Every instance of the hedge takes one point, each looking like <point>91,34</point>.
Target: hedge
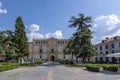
<point>111,68</point>
<point>93,68</point>
<point>39,61</point>
<point>64,61</point>
<point>8,66</point>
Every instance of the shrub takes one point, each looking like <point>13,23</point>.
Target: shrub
<point>39,61</point>
<point>79,65</point>
<point>65,62</point>
<point>111,68</point>
<point>93,68</point>
<point>27,64</point>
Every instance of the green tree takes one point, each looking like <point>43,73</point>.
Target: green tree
<point>20,39</point>
<point>7,47</point>
<point>82,36</point>
<point>69,48</point>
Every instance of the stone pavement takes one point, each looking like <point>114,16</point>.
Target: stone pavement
<point>55,71</point>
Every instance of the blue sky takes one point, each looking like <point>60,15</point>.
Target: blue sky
<point>45,18</point>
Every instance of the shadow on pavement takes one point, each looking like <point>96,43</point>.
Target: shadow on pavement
<point>103,72</point>
<point>109,72</point>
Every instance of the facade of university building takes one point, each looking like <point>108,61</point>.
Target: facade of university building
<point>51,49</point>
<point>108,46</point>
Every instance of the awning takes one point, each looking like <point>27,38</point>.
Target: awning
<point>113,55</point>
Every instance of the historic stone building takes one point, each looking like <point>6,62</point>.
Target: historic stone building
<point>51,49</point>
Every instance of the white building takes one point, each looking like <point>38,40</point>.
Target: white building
<point>108,46</point>
<point>51,49</point>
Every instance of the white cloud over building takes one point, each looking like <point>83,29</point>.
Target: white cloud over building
<point>57,34</point>
<point>106,26</point>
<point>33,34</point>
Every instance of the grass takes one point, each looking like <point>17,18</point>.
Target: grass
<point>8,66</point>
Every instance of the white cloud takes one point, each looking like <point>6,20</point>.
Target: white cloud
<point>106,26</point>
<point>95,25</point>
<point>58,34</point>
<point>0,4</point>
<point>35,36</point>
<point>110,21</point>
<point>2,11</point>
<point>48,35</point>
<point>34,27</point>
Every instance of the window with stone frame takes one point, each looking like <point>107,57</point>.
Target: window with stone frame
<point>112,45</point>
<point>100,47</point>
<point>113,51</point>
<point>52,50</point>
<point>63,50</point>
<point>106,46</point>
<point>106,52</point>
<point>40,50</point>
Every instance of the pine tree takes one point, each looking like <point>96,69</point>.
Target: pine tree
<point>21,39</point>
<point>7,46</point>
<point>82,37</point>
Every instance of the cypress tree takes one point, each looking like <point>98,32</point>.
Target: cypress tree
<point>21,39</point>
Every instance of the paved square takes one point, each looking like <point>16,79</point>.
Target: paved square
<point>55,71</point>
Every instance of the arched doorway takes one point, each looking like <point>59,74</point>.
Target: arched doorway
<point>52,58</point>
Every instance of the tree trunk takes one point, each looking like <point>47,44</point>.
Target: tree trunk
<point>72,59</point>
<point>84,60</point>
<point>88,59</point>
<point>6,57</point>
<point>76,60</point>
